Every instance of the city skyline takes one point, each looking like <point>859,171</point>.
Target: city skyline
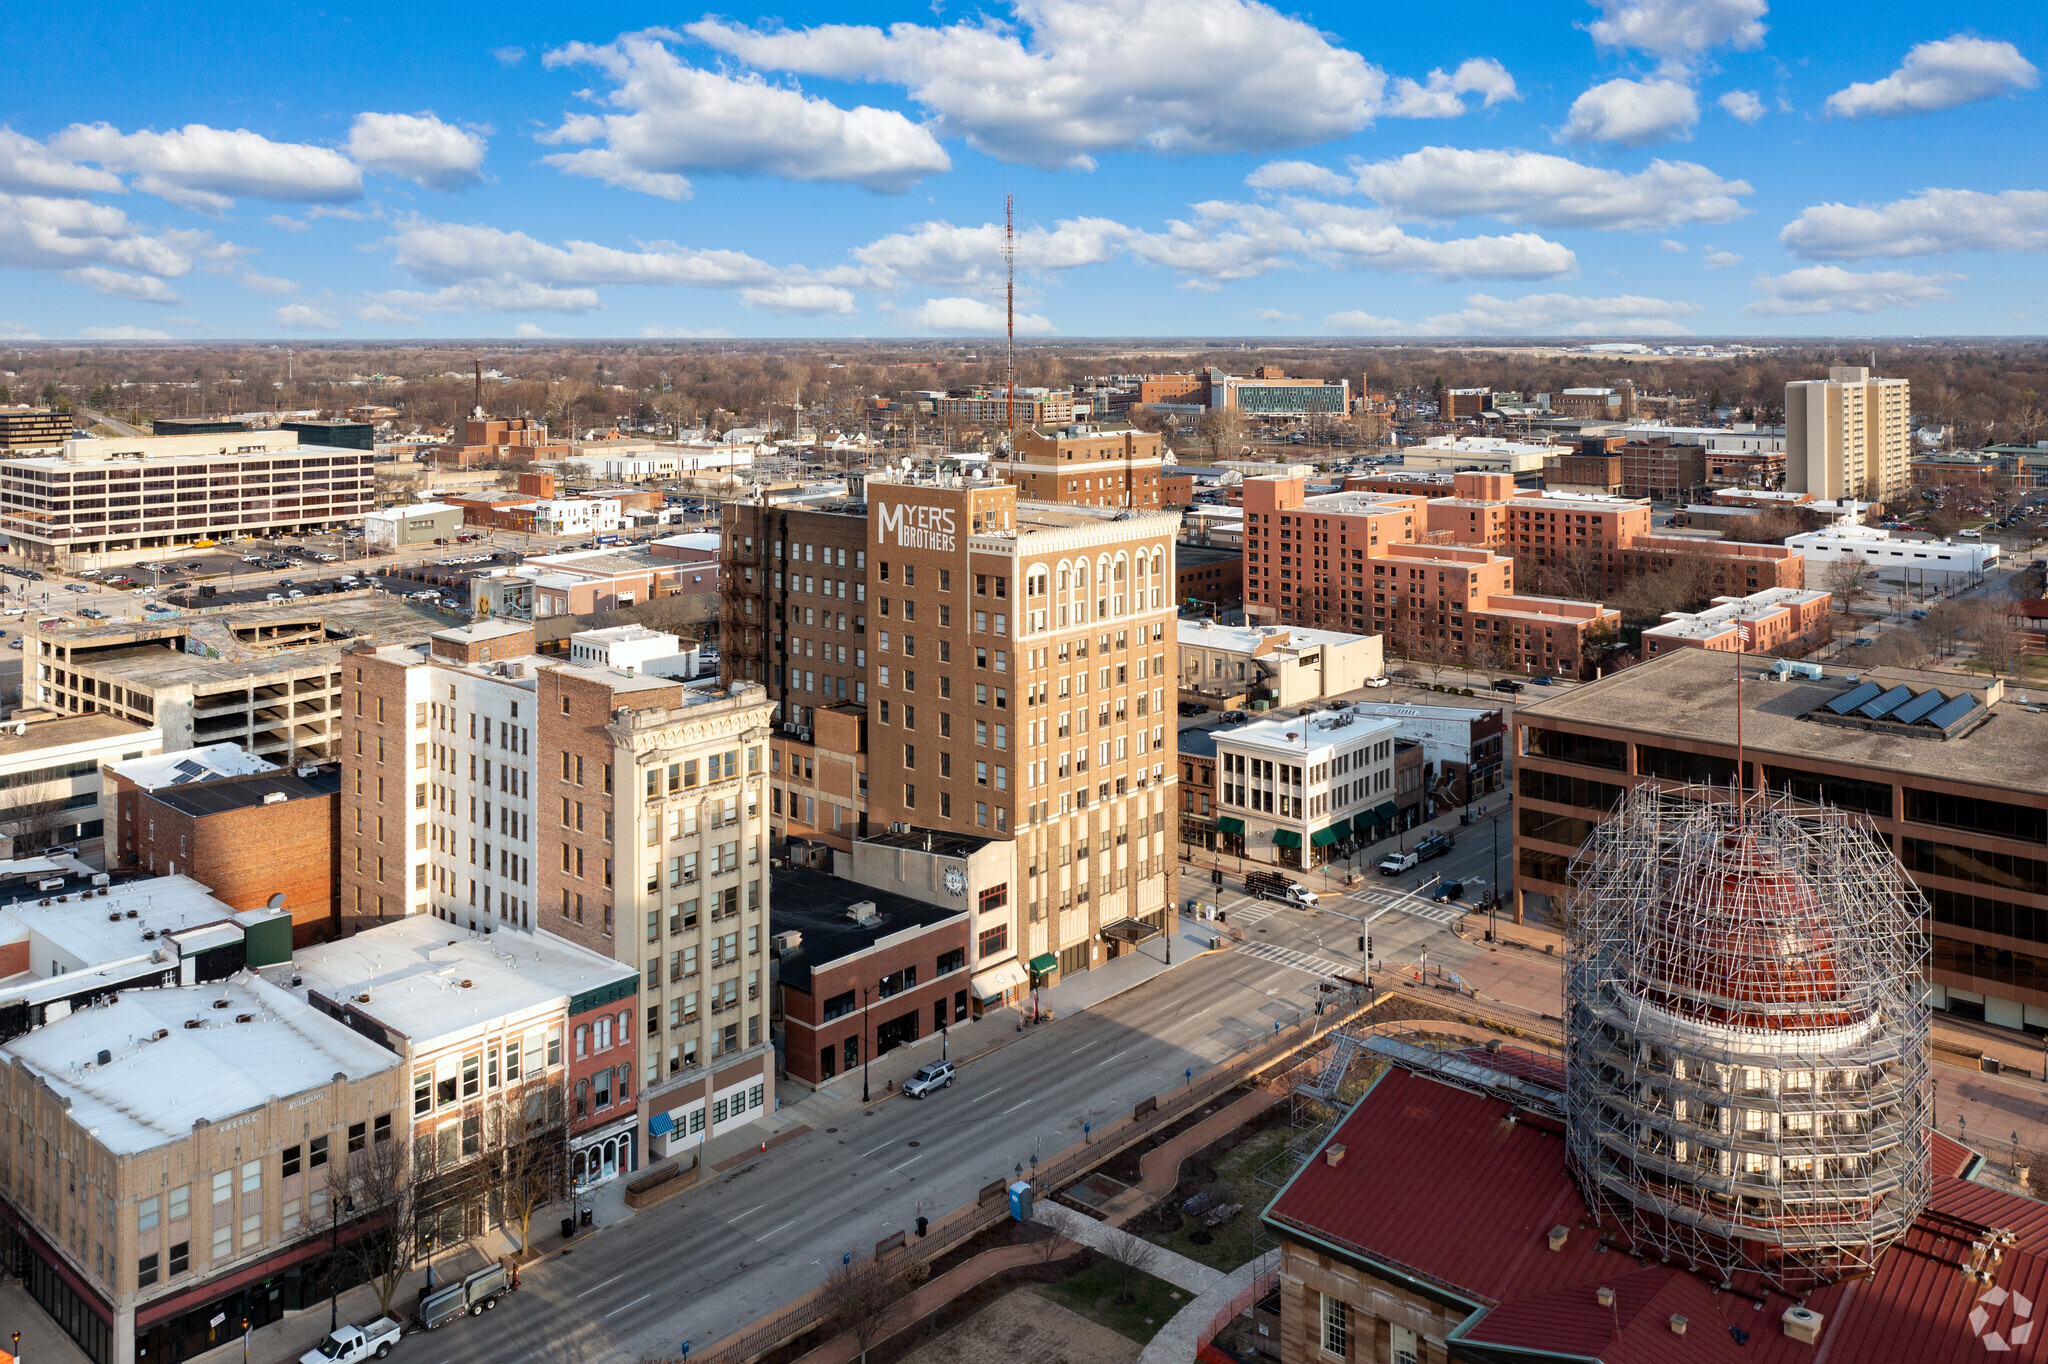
<point>1643,168</point>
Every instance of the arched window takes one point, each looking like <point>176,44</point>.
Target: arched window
<point>582,1040</point>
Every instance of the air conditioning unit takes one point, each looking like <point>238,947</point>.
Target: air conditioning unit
<point>786,941</point>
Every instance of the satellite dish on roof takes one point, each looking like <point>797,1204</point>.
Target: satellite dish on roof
<point>277,900</point>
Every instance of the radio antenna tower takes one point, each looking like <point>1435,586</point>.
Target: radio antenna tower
<point>1009,314</point>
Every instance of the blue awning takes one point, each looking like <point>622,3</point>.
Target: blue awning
<point>660,1125</point>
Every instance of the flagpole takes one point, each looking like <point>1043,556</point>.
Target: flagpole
<point>1741,785</point>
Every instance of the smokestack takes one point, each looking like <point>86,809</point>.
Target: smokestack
<point>477,410</point>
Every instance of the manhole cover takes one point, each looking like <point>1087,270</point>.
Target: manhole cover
<point>913,1143</point>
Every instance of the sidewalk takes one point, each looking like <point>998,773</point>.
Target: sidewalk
<point>931,1295</point>
<point>1119,1245</point>
<point>1159,1168</point>
<point>1177,1341</point>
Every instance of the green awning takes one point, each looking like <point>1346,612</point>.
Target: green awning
<point>1286,838</point>
<point>1386,812</point>
<point>1323,838</point>
<point>1365,819</point>
<point>1044,964</point>
<point>1342,828</point>
<point>1229,824</point>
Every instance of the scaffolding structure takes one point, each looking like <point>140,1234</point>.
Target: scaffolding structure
<point>1746,1040</point>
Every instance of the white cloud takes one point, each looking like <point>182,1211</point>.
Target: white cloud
<point>1199,286</point>
<point>478,296</point>
<point>1561,315</point>
<point>41,233</point>
<point>1093,76</point>
<point>1742,104</point>
<point>800,299</point>
<point>1675,248</point>
<point>1719,260</point>
<point>15,331</point>
<point>123,334</point>
<point>1940,75</point>
<point>672,118</point>
<point>1633,113</point>
<point>656,331</point>
<point>441,253</point>
<point>1354,322</point>
<point>284,222</point>
<point>1446,183</point>
<point>939,253</point>
<point>206,169</point>
<point>1299,175</point>
<point>1441,96</point>
<point>509,56</point>
<point>970,317</point>
<point>263,284</point>
<point>531,331</point>
<point>1930,223</point>
<point>417,147</point>
<point>1679,30</point>
<point>1831,289</point>
<point>1271,315</point>
<point>304,317</point>
<point>26,164</point>
<point>120,284</point>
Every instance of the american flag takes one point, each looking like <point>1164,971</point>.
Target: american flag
<point>1745,637</point>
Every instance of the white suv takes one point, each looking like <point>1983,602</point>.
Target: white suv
<point>937,1075</point>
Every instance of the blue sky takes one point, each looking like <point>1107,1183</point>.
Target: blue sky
<point>1180,167</point>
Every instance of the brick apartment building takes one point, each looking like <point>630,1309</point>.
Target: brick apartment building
<point>1730,568</point>
<point>1589,471</point>
<point>246,836</point>
<point>1662,469</point>
<point>996,409</point>
<point>986,666</point>
<point>1779,620</point>
<point>1955,784</point>
<point>860,972</point>
<point>1211,575</point>
<point>1090,466</point>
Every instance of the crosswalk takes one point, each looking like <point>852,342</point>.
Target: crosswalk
<point>1249,913</point>
<point>1413,907</point>
<point>1300,961</point>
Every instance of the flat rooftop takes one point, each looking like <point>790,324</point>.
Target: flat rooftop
<point>1357,500</point>
<point>171,653</point>
<point>925,840</point>
<point>188,765</point>
<point>1040,516</point>
<point>71,729</point>
<point>1207,634</point>
<point>1197,556</point>
<point>95,928</point>
<point>242,793</point>
<point>1307,735</point>
<point>1690,694</point>
<point>1717,619</point>
<point>815,905</point>
<point>154,1088</point>
<point>428,979</point>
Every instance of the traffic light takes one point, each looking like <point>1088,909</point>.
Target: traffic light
<point>1365,945</point>
<point>1215,876</point>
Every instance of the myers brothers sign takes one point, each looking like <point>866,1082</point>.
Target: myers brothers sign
<point>913,527</point>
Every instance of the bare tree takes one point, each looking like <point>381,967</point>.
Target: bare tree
<point>377,1187</point>
<point>1223,429</point>
<point>1059,1231</point>
<point>1847,580</point>
<point>528,1133</point>
<point>1999,641</point>
<point>856,1296</point>
<point>31,826</point>
<point>1132,1257</point>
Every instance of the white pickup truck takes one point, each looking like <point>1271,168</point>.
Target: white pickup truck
<point>352,1344</point>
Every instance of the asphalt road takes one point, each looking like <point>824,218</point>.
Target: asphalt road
<point>713,1260</point>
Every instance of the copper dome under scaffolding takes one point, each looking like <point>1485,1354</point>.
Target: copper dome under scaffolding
<point>1746,1035</point>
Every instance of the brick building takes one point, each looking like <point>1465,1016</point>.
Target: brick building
<point>1585,472</point>
<point>998,409</point>
<point>1781,620</point>
<point>1090,466</point>
<point>1198,787</point>
<point>1210,575</point>
<point>246,836</point>
<point>1663,469</point>
<point>1729,568</point>
<point>860,972</point>
<point>487,440</point>
<point>33,428</point>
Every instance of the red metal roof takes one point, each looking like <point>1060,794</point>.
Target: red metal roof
<point>1437,1183</point>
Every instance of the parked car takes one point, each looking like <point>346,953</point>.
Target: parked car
<point>352,1344</point>
<point>1235,717</point>
<point>1192,708</point>
<point>1507,684</point>
<point>1435,845</point>
<point>1394,863</point>
<point>76,587</point>
<point>937,1075</point>
<point>1377,682</point>
<point>1539,681</point>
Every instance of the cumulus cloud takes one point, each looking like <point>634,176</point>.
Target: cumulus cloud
<point>123,334</point>
<point>42,233</point>
<point>1071,79</point>
<point>970,317</point>
<point>1561,315</point>
<point>656,331</point>
<point>1442,95</point>
<point>1446,183</point>
<point>417,147</point>
<point>477,296</point>
<point>304,317</point>
<point>1675,248</point>
<point>1299,175</point>
<point>1679,30</point>
<point>261,284</point>
<point>1719,260</point>
<point>1931,223</point>
<point>26,164</point>
<point>1743,105</point>
<point>120,284</point>
<point>940,253</point>
<point>800,299</point>
<point>1632,113</point>
<point>1271,315</point>
<point>669,119</point>
<point>1831,289</point>
<point>15,331</point>
<point>1940,75</point>
<point>442,253</point>
<point>509,56</point>
<point>207,169</point>
<point>530,331</point>
<point>1354,322</point>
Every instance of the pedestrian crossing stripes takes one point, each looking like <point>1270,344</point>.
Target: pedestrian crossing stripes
<point>1412,906</point>
<point>1299,961</point>
<point>1250,912</point>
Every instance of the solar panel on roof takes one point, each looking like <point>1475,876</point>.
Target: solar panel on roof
<point>1853,698</point>
<point>1955,710</point>
<point>1916,709</point>
<point>1886,704</point>
<point>188,770</point>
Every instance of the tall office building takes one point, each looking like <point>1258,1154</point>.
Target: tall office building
<point>946,660</point>
<point>1849,435</point>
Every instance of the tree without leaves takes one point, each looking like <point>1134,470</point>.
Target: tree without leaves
<point>1132,1258</point>
<point>32,825</point>
<point>1998,640</point>
<point>1847,580</point>
<point>376,1187</point>
<point>528,1135</point>
<point>856,1296</point>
